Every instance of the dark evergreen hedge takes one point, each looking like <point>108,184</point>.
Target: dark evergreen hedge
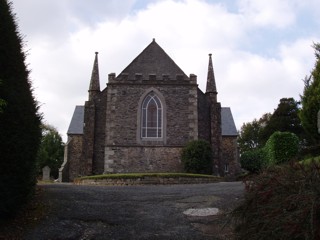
<point>19,120</point>
<point>254,160</point>
<point>281,147</point>
<point>197,157</point>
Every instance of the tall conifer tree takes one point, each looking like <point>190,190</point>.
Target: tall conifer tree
<point>310,100</point>
<point>19,120</point>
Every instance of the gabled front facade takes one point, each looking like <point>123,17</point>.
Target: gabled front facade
<point>144,117</point>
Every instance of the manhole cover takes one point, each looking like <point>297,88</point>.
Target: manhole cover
<point>201,212</point>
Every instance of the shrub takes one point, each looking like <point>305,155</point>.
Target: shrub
<point>254,160</point>
<point>281,147</point>
<point>197,157</point>
<point>283,202</point>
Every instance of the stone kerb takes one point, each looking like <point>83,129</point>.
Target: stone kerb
<point>145,181</point>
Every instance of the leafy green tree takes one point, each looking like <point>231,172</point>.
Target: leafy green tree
<point>19,121</point>
<point>250,134</point>
<point>284,119</point>
<point>310,100</point>
<point>51,150</point>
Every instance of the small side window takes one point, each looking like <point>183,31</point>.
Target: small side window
<point>226,168</point>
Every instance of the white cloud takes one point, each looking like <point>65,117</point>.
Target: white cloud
<point>275,13</point>
<point>253,84</point>
<point>63,36</point>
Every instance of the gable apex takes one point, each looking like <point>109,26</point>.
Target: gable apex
<point>153,63</point>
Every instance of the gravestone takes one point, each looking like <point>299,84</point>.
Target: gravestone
<point>46,173</point>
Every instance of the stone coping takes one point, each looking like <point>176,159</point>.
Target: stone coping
<point>146,180</point>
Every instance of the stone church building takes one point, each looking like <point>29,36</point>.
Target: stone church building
<point>144,117</point>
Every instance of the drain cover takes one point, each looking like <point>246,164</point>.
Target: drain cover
<point>201,212</point>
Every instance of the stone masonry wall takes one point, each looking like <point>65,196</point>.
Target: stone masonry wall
<point>215,138</point>
<point>143,159</point>
<point>99,134</point>
<point>230,155</point>
<point>203,117</point>
<point>74,155</point>
<point>88,138</point>
<point>125,151</point>
<point>122,116</point>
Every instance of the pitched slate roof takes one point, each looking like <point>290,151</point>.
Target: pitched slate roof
<point>76,124</point>
<point>228,127</point>
<point>152,60</point>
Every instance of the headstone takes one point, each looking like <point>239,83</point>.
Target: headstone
<point>46,173</point>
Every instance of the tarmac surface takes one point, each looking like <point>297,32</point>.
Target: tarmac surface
<point>137,212</point>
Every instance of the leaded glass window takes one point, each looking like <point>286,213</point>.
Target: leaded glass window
<point>151,124</point>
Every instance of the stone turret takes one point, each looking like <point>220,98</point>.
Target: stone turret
<point>89,120</point>
<point>215,119</point>
<point>94,87</point>
<point>211,89</point>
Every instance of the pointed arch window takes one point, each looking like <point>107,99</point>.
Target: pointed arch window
<point>151,114</point>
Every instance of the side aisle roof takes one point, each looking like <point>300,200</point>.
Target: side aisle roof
<point>228,127</point>
<point>76,124</point>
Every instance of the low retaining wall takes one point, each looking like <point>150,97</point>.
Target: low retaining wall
<point>145,181</point>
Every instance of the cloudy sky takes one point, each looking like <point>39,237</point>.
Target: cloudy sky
<point>261,49</point>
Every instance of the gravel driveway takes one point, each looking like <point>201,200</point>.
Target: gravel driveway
<point>136,212</point>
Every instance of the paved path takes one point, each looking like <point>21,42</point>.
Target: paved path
<point>135,212</point>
